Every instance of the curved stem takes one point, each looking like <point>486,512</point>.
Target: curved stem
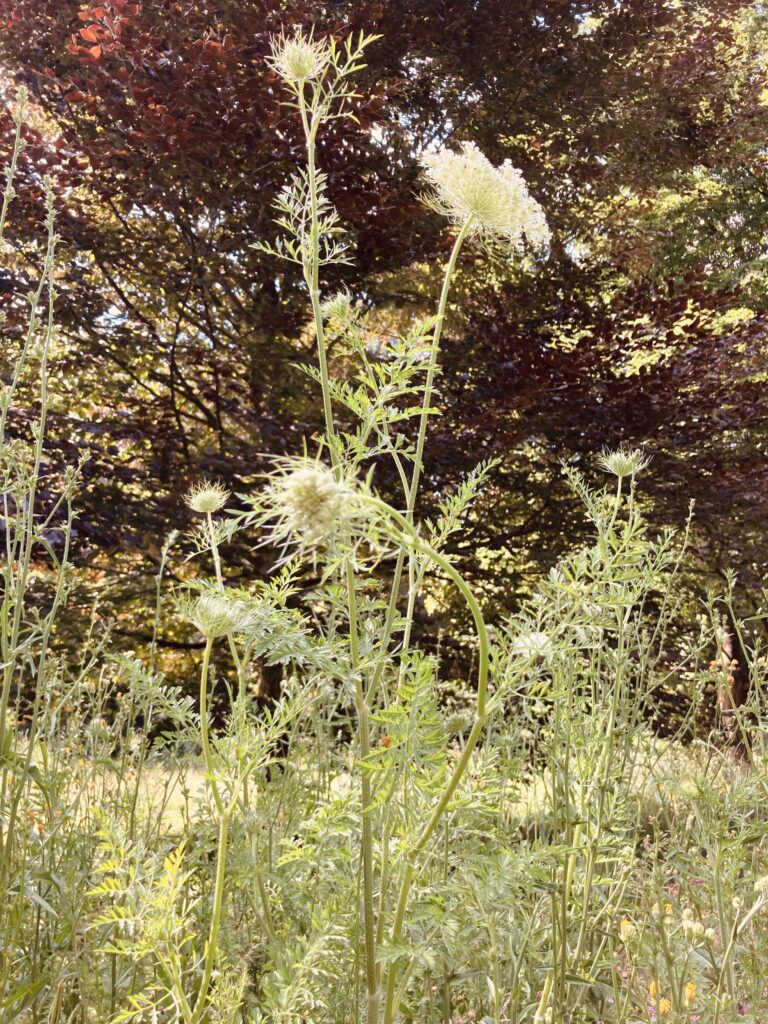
<point>432,366</point>
<point>410,539</point>
<point>218,905</point>
<point>413,488</point>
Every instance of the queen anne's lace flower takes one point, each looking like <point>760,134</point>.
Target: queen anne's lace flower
<point>465,186</point>
<point>532,645</point>
<point>216,614</point>
<point>298,58</point>
<point>306,503</point>
<point>207,498</point>
<point>623,462</point>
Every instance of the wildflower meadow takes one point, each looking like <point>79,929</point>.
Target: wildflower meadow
<point>287,796</point>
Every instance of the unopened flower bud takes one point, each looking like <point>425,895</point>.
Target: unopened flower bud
<point>337,309</point>
<point>623,462</point>
<point>299,58</point>
<point>207,498</point>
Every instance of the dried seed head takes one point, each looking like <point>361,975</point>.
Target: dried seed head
<point>623,462</point>
<point>466,186</point>
<point>216,614</point>
<point>299,58</point>
<point>207,498</point>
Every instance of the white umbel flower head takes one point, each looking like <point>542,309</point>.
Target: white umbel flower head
<point>207,498</point>
<point>306,503</point>
<point>532,645</point>
<point>299,58</point>
<point>465,186</point>
<point>624,461</point>
<point>216,614</point>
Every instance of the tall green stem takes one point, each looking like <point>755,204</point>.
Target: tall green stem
<point>413,488</point>
<point>14,590</point>
<point>204,735</point>
<point>312,276</point>
<point>363,721</point>
<point>10,174</point>
<point>312,273</point>
<point>221,853</point>
<point>432,367</point>
<point>216,914</point>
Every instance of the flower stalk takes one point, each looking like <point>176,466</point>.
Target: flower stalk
<point>311,274</point>
<point>224,815</point>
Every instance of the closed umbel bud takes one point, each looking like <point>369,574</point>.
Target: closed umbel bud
<point>207,498</point>
<point>216,614</point>
<point>299,58</point>
<point>623,462</point>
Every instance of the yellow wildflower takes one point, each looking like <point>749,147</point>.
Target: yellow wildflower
<point>627,930</point>
<point>690,993</point>
<point>665,1005</point>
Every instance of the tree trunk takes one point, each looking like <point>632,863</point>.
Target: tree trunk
<point>733,688</point>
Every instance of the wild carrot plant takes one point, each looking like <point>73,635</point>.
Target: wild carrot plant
<point>358,851</point>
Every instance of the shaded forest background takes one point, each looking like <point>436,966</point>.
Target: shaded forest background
<point>641,128</point>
